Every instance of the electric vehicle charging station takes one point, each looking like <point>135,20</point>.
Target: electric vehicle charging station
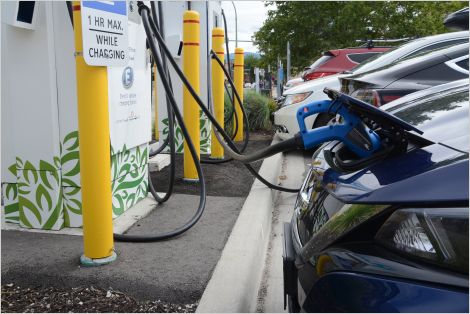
<point>41,185</point>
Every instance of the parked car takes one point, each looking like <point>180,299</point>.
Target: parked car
<point>458,20</point>
<point>285,120</point>
<point>408,75</point>
<point>392,234</point>
<point>339,60</point>
<point>293,82</point>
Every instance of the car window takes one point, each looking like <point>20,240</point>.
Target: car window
<point>320,61</point>
<point>463,64</point>
<point>361,57</point>
<point>436,46</point>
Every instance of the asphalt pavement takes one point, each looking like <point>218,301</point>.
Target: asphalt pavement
<point>175,271</point>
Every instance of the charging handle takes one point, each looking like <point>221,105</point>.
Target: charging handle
<point>351,130</point>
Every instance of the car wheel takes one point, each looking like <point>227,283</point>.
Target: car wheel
<point>292,305</point>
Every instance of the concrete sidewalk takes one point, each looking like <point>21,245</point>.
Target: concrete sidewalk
<point>248,277</point>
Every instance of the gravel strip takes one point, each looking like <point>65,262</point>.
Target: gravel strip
<point>81,299</point>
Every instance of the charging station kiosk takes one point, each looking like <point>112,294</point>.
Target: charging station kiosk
<point>40,170</point>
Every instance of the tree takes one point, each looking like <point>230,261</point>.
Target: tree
<point>251,62</point>
<point>313,27</point>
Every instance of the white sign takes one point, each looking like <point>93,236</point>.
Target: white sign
<point>104,29</point>
<point>129,92</point>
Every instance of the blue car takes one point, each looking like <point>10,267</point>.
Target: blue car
<point>391,234</point>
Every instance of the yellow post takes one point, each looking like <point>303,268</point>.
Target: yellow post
<point>155,102</point>
<point>95,167</point>
<point>190,107</point>
<point>238,74</point>
<point>217,151</point>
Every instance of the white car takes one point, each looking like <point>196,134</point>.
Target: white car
<point>285,119</point>
<point>293,82</point>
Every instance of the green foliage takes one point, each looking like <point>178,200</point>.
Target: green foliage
<point>316,26</point>
<point>250,63</point>
<point>258,108</point>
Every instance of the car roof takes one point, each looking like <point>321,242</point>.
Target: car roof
<point>402,68</point>
<point>386,57</point>
<point>403,50</point>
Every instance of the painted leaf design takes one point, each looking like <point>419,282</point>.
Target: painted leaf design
<point>66,217</point>
<point>12,208</point>
<point>71,139</point>
<point>24,220</point>
<point>48,169</point>
<point>54,217</point>
<point>19,163</point>
<point>130,200</point>
<point>72,191</point>
<point>57,161</point>
<point>124,170</point>
<point>118,210</point>
<point>42,193</point>
<point>26,204</point>
<point>144,157</point>
<point>75,206</point>
<point>23,188</point>
<point>11,191</point>
<point>68,182</point>
<point>29,168</point>
<point>72,156</point>
<point>12,169</point>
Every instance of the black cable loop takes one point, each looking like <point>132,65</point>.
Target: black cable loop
<point>196,97</point>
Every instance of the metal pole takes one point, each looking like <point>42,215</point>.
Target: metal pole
<point>236,25</point>
<point>217,151</point>
<point>238,74</point>
<point>191,69</point>
<point>288,61</point>
<point>95,161</point>
<point>155,102</point>
<point>257,80</point>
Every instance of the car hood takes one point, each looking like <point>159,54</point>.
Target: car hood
<point>430,175</point>
<point>313,85</point>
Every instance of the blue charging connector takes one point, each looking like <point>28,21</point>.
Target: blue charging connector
<point>360,139</point>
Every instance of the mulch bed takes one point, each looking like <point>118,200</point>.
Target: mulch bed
<point>17,299</point>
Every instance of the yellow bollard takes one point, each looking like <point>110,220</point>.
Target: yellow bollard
<point>238,74</point>
<point>217,151</point>
<point>190,107</point>
<point>95,167</point>
<point>155,102</point>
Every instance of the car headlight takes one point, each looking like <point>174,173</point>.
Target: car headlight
<point>438,235</point>
<point>296,98</point>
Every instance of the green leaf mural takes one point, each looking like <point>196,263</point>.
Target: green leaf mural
<point>43,198</point>
<point>10,198</point>
<point>205,136</point>
<point>129,182</point>
<point>40,196</point>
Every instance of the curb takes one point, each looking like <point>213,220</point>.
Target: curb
<point>237,276</point>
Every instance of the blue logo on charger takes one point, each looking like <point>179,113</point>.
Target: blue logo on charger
<point>127,77</point>
<point>117,7</point>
